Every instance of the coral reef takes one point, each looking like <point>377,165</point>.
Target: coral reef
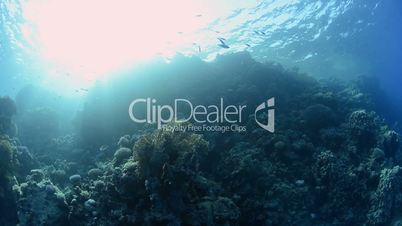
<point>6,156</point>
<point>8,206</point>
<point>53,207</point>
<point>388,197</point>
<point>122,154</point>
<point>331,161</point>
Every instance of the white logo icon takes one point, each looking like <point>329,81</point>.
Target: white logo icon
<point>269,104</point>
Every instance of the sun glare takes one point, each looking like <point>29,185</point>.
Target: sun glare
<point>80,41</point>
<point>87,39</point>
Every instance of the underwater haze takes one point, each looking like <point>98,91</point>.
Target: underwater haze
<point>200,112</point>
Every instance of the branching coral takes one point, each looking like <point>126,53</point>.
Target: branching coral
<point>183,150</point>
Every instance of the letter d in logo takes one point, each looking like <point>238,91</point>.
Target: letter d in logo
<point>271,115</point>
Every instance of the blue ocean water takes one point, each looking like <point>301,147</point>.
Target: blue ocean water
<point>323,38</point>
<point>289,112</point>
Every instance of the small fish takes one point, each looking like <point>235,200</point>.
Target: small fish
<point>199,49</point>
<point>198,15</point>
<point>222,40</point>
<point>180,32</point>
<point>248,45</point>
<point>224,46</point>
<point>259,32</point>
<point>86,90</point>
